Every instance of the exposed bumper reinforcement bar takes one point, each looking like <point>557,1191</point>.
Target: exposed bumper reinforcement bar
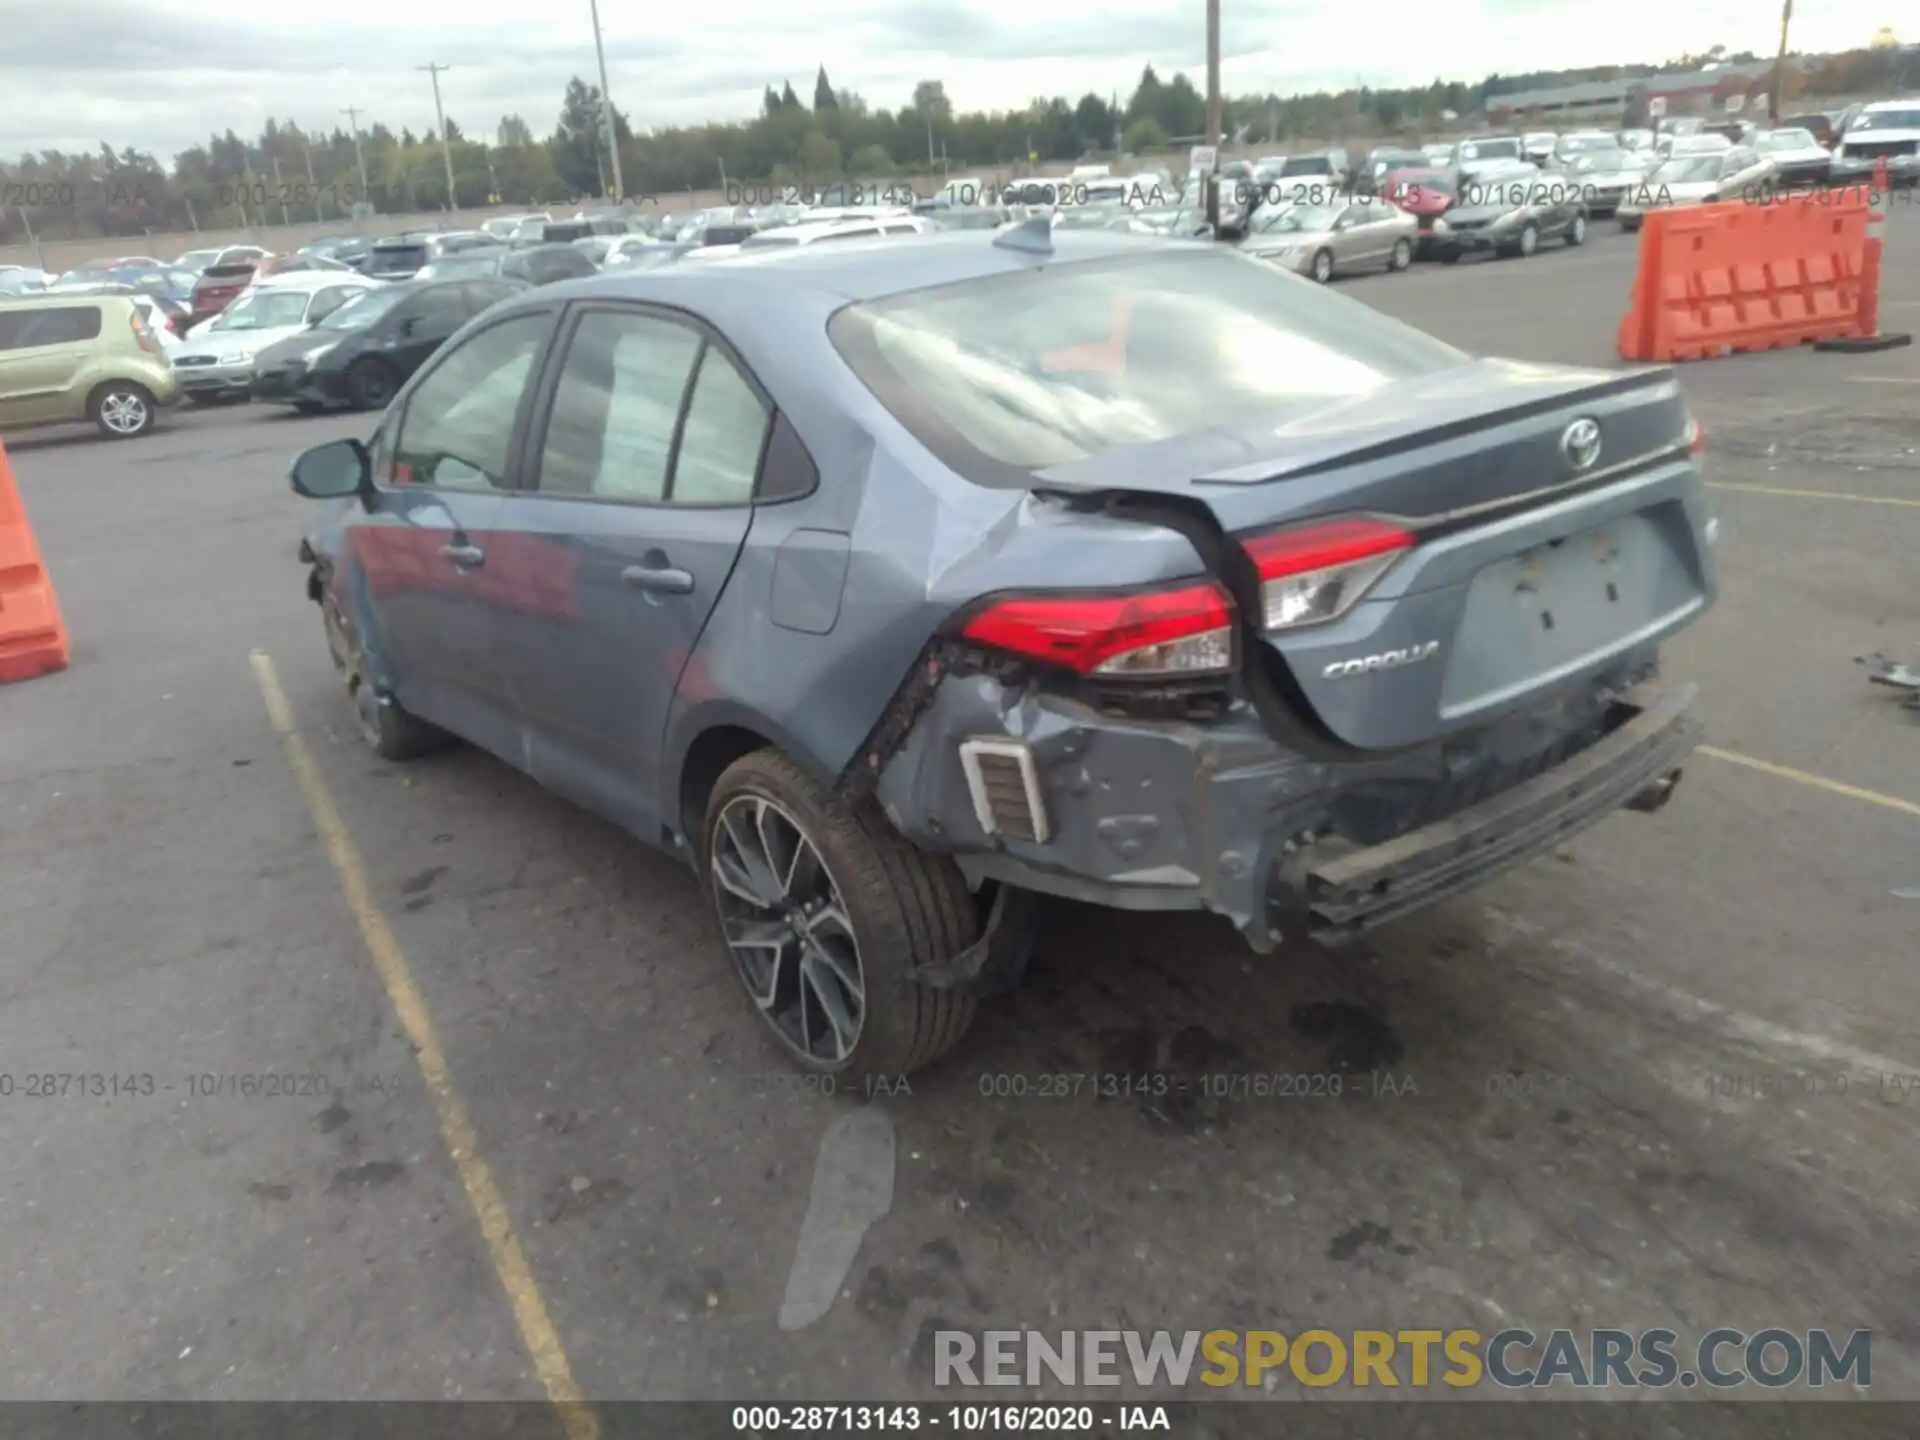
<point>1350,893</point>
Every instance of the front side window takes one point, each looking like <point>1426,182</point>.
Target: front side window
<point>457,431</point>
<point>1053,365</point>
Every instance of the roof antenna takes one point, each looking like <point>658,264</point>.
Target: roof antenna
<point>1033,235</point>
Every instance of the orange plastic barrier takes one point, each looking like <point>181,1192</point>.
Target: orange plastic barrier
<point>1720,279</point>
<point>33,637</point>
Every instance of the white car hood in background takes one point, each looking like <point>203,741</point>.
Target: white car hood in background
<point>228,346</point>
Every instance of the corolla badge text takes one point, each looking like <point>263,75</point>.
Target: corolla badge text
<point>1385,660</point>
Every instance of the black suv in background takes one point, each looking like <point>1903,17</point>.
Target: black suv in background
<point>401,257</point>
<point>359,356</point>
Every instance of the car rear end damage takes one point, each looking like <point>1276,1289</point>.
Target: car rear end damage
<point>1419,646</point>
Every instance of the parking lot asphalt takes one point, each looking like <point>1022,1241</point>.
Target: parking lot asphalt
<point>1670,1076</point>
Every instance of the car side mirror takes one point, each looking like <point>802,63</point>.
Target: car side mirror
<point>334,471</point>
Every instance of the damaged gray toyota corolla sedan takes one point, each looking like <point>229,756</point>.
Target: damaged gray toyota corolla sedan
<point>896,583</point>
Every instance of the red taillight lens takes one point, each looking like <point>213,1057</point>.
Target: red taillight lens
<point>1696,437</point>
<point>1161,633</point>
<point>1318,572</point>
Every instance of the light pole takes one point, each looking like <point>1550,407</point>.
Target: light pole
<point>1213,112</point>
<point>446,146</point>
<point>606,106</point>
<point>359,155</point>
<point>1779,65</point>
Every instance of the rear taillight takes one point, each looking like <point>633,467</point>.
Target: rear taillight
<point>142,335</point>
<point>1696,437</point>
<point>1317,573</point>
<point>1153,634</point>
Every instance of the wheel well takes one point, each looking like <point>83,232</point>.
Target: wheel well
<point>707,760</point>
<point>94,395</point>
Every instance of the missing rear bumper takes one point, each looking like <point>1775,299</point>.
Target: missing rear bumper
<point>1635,766</point>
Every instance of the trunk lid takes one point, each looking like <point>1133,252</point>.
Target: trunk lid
<point>218,285</point>
<point>1528,571</point>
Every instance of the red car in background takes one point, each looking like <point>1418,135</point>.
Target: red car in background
<point>237,268</point>
<point>1423,194</point>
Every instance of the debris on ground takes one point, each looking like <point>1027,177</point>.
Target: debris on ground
<point>1882,671</point>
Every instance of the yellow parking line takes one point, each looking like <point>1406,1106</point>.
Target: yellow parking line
<point>463,1142</point>
<point>1818,782</point>
<point>1817,494</point>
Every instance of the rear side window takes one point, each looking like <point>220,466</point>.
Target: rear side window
<point>49,325</point>
<point>721,441</point>
<point>1048,366</point>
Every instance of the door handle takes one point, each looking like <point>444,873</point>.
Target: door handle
<point>658,579</point>
<point>465,557</point>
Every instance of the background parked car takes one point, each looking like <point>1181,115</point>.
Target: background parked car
<point>1538,145</point>
<point>545,264</point>
<point>1819,124</point>
<point>1887,130</point>
<point>1509,212</point>
<point>1798,156</point>
<point>222,281</point>
<point>1603,176</point>
<point>19,279</point>
<point>81,357</point>
<point>1424,194</point>
<point>362,353</point>
<point>1699,177</point>
<point>1477,154</point>
<point>1325,241</point>
<point>216,363</point>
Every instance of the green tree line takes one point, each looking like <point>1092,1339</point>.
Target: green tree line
<point>289,174</point>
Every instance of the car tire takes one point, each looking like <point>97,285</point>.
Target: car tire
<point>122,409</point>
<point>1577,231</point>
<point>1449,257</point>
<point>1323,266</point>
<point>389,730</point>
<point>1629,226</point>
<point>1401,256</point>
<point>202,401</point>
<point>1528,243</point>
<point>309,407</point>
<point>876,900</point>
<point>371,384</point>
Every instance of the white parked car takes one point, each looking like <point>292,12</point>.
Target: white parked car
<point>1887,130</point>
<point>789,237</point>
<point>216,361</point>
<point>1699,178</point>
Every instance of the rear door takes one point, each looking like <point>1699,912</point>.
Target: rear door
<point>428,322</point>
<point>44,351</point>
<point>1368,234</point>
<point>427,572</point>
<point>642,471</point>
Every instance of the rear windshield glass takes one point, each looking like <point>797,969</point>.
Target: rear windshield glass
<point>1045,367</point>
<point>394,257</point>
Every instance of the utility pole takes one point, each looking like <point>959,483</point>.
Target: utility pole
<point>1213,111</point>
<point>606,106</point>
<point>285,218</point>
<point>359,155</point>
<point>313,186</point>
<point>1779,65</point>
<point>446,145</point>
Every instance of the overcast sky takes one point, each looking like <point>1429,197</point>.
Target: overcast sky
<point>160,74</point>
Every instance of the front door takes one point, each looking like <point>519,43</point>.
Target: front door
<point>634,514</point>
<point>428,578</point>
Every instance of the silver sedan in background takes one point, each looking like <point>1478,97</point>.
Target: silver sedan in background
<point>1363,233</point>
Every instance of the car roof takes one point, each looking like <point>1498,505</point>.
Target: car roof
<point>41,297</point>
<point>1878,105</point>
<point>838,274</point>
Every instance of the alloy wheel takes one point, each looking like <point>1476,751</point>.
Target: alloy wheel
<point>123,412</point>
<point>787,927</point>
<point>1529,240</point>
<point>1323,267</point>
